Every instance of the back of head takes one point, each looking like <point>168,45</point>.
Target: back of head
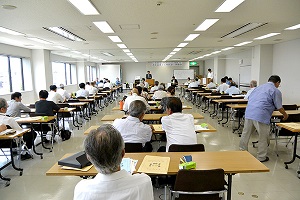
<point>140,89</point>
<point>104,147</point>
<point>174,104</point>
<point>223,80</point>
<point>61,86</point>
<point>232,84</point>
<point>274,79</point>
<point>53,87</point>
<point>137,108</point>
<point>3,103</point>
<point>81,85</point>
<point>15,95</point>
<point>161,87</point>
<point>253,83</point>
<point>171,90</point>
<point>93,83</point>
<point>230,79</point>
<point>156,83</point>
<point>135,91</point>
<point>209,70</point>
<point>43,94</point>
<point>87,83</point>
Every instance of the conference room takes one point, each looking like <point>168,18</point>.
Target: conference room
<point>53,42</point>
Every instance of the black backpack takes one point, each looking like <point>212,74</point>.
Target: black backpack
<point>65,134</point>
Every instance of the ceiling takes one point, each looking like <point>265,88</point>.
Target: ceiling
<point>150,31</point>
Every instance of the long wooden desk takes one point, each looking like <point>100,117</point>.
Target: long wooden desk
<point>11,137</point>
<point>147,117</point>
<point>295,128</point>
<point>232,162</point>
<point>154,108</point>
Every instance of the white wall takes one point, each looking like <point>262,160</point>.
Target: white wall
<point>286,64</point>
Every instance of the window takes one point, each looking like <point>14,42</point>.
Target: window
<point>64,73</point>
<point>12,74</point>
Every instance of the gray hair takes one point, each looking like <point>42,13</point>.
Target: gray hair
<point>253,83</point>
<point>161,87</point>
<point>61,86</point>
<point>3,103</point>
<point>104,148</point>
<point>137,108</point>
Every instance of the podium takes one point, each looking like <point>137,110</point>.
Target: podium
<point>150,81</point>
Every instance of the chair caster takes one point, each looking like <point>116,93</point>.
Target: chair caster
<point>286,166</point>
<point>7,183</point>
<point>42,157</point>
<point>21,173</point>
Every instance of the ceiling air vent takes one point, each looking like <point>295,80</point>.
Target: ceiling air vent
<point>243,29</point>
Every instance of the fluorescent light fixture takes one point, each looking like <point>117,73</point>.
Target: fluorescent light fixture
<point>227,48</point>
<point>182,44</point>
<point>215,52</point>
<point>243,43</point>
<point>11,32</point>
<point>206,24</point>
<point>107,54</point>
<point>243,29</point>
<point>85,7</point>
<point>191,37</point>
<point>177,49</point>
<point>64,33</point>
<point>172,53</point>
<point>266,36</point>
<point>104,27</point>
<point>39,40</point>
<point>76,52</point>
<point>61,47</point>
<point>293,27</point>
<point>122,46</point>
<point>115,38</point>
<point>126,50</point>
<point>129,54</point>
<point>86,55</point>
<point>229,5</point>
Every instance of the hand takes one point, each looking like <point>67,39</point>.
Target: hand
<point>3,127</point>
<point>285,117</point>
<point>151,126</point>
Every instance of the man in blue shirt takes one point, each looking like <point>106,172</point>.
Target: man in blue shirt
<point>261,104</point>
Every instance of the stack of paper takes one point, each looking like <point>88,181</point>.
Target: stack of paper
<point>128,164</point>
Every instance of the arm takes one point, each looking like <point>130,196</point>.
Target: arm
<point>3,127</point>
<point>23,107</point>
<point>285,115</point>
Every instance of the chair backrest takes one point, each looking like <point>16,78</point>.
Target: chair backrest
<point>81,98</point>
<point>186,147</point>
<point>133,147</point>
<point>226,96</point>
<point>199,181</point>
<point>290,107</point>
<point>37,114</point>
<point>32,105</point>
<point>73,100</point>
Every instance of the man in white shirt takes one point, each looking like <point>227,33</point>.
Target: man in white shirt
<point>179,127</point>
<point>82,92</point>
<point>232,89</point>
<point>15,106</point>
<point>65,95</point>
<point>193,84</point>
<point>104,147</point>
<point>87,86</point>
<point>210,74</point>
<point>108,85</point>
<point>211,84</point>
<point>135,95</point>
<point>155,87</point>
<point>160,93</point>
<point>54,96</point>
<point>93,90</point>
<point>253,85</point>
<point>132,129</point>
<point>144,83</point>
<point>223,86</point>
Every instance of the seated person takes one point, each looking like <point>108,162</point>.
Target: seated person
<point>15,106</point>
<point>144,84</point>
<point>93,90</point>
<point>108,85</point>
<point>170,93</point>
<point>223,86</point>
<point>101,84</point>
<point>155,87</point>
<point>82,92</point>
<point>9,121</point>
<point>132,129</point>
<point>179,127</point>
<point>188,81</point>
<point>160,93</point>
<point>253,85</point>
<point>211,84</point>
<point>145,93</point>
<point>232,89</point>
<point>135,95</point>
<point>65,95</point>
<point>193,84</point>
<point>104,147</point>
<point>54,96</point>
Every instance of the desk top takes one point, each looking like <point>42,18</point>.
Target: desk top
<point>158,129</point>
<point>231,161</point>
<point>237,106</point>
<point>230,100</point>
<point>78,103</point>
<point>291,126</point>
<point>18,133</point>
<point>86,100</point>
<point>289,112</point>
<point>32,110</point>
<point>87,131</point>
<point>35,119</point>
<point>147,117</point>
<point>153,108</point>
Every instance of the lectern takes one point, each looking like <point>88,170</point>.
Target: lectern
<point>150,81</point>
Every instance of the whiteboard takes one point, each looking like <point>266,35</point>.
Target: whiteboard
<point>245,74</point>
<point>110,71</point>
<point>183,73</point>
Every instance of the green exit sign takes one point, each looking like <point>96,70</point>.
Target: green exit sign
<point>193,63</point>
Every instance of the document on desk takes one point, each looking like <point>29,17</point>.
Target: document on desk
<point>7,131</point>
<point>128,165</point>
<point>155,165</point>
<point>199,127</point>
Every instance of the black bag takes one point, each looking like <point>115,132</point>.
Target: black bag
<point>65,134</point>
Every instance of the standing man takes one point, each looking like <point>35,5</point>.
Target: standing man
<point>148,75</point>
<point>210,74</point>
<point>174,82</point>
<point>15,106</point>
<point>104,147</point>
<point>261,104</point>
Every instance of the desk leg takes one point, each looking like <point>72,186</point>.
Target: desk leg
<point>229,186</point>
<point>12,158</point>
<point>226,116</point>
<point>294,153</point>
<point>33,145</point>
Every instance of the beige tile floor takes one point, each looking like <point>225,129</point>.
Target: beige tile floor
<point>278,184</point>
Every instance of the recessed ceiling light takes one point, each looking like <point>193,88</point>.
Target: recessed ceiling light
<point>115,38</point>
<point>215,52</point>
<point>122,46</point>
<point>191,37</point>
<point>104,27</point>
<point>39,40</point>
<point>228,48</point>
<point>182,44</point>
<point>64,33</point>
<point>107,54</point>
<point>243,43</point>
<point>11,32</point>
<point>293,27</point>
<point>126,50</point>
<point>129,54</point>
<point>9,7</point>
<point>229,5</point>
<point>206,24</point>
<point>85,7</point>
<point>177,49</point>
<point>266,36</point>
